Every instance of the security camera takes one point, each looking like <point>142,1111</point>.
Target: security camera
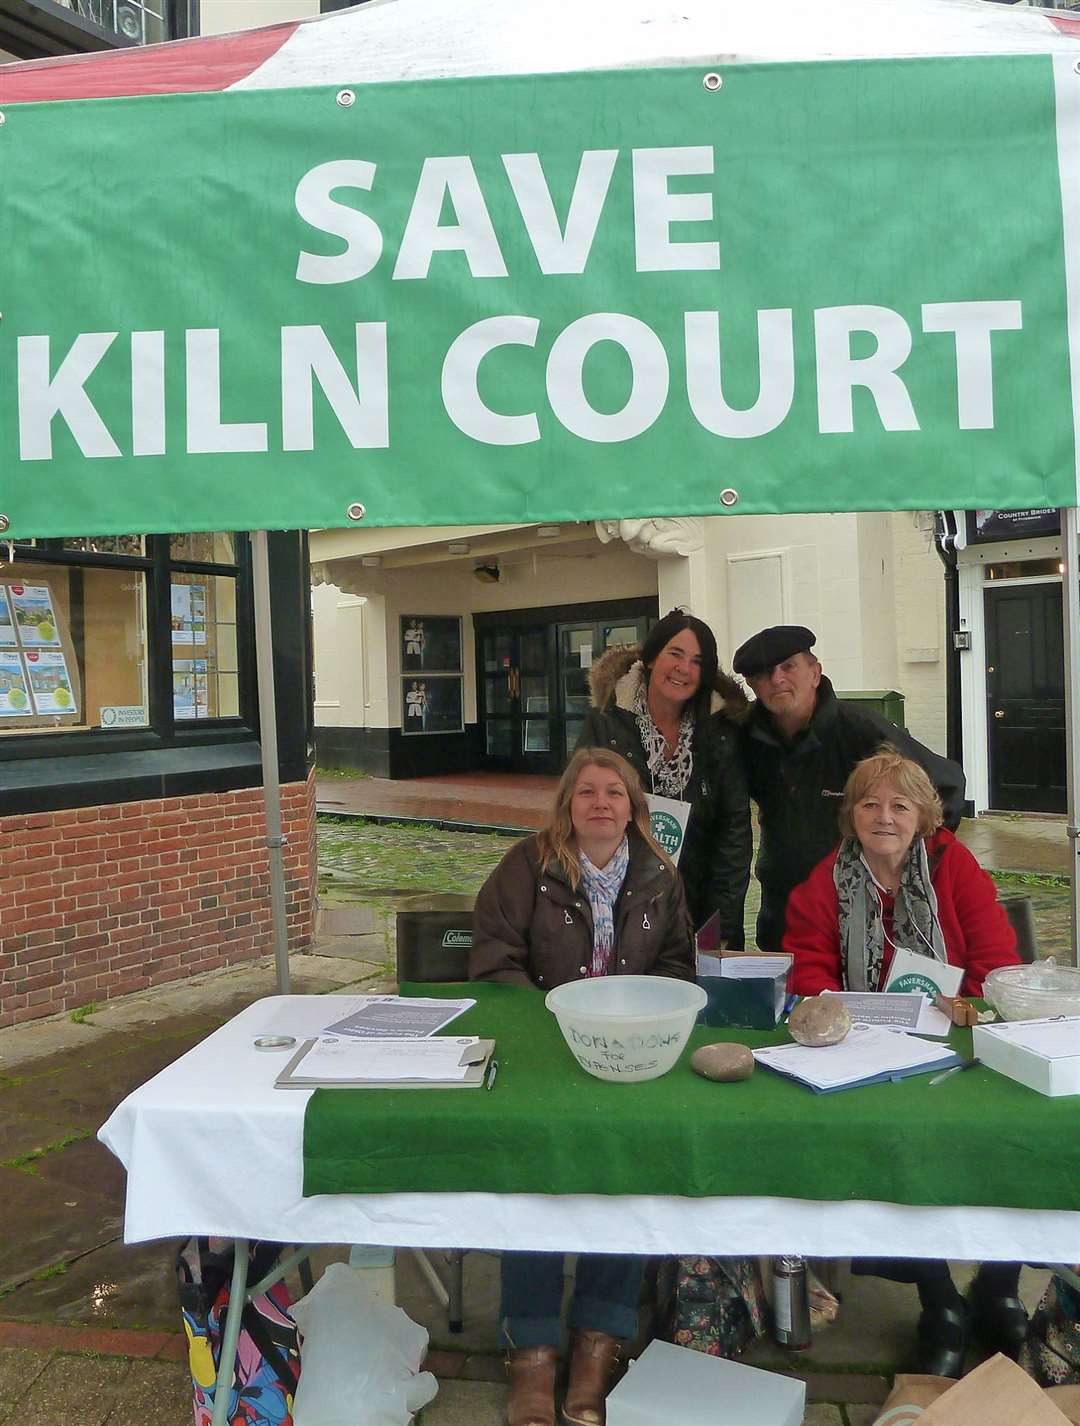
<point>487,573</point>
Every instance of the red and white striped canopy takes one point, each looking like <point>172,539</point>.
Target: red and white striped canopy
<point>390,40</point>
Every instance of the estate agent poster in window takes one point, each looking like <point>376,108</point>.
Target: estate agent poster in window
<point>431,705</point>
<point>39,682</point>
<point>430,644</point>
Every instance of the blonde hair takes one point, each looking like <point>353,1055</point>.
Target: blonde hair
<point>557,842</point>
<point>909,779</point>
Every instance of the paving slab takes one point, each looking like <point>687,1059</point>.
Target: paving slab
<point>116,1286</point>
<point>74,1391</point>
<point>23,1134</point>
<point>54,1224</point>
<point>153,1394</point>
<point>466,1403</point>
<point>823,1415</point>
<point>19,1369</point>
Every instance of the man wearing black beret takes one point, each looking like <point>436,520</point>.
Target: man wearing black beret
<point>799,744</point>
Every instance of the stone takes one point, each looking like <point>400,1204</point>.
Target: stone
<point>819,1020</point>
<point>725,1063</point>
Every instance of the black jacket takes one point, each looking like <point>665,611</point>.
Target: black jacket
<point>715,861</point>
<point>798,787</point>
<point>530,927</point>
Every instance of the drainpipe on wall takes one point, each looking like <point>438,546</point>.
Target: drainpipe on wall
<point>945,544</point>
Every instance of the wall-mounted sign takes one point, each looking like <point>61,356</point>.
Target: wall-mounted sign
<point>990,526</point>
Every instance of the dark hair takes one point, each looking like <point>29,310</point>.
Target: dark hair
<point>668,628</point>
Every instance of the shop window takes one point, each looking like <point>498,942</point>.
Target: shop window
<point>101,634</point>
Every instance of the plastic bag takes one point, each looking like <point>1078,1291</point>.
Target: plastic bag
<point>360,1359</point>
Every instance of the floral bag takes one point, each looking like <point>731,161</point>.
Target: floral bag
<point>268,1351</point>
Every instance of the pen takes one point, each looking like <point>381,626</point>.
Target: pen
<point>968,1064</point>
<point>493,1070</point>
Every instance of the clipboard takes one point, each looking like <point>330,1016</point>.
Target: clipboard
<point>477,1057</point>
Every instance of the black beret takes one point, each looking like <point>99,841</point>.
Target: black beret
<point>772,646</point>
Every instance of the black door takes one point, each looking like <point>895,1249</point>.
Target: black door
<point>1025,684</point>
<point>580,644</point>
<point>517,680</point>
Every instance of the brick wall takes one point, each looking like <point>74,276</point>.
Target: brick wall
<point>101,901</point>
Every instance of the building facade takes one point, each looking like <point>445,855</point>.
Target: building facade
<point>132,831</point>
<point>449,649</point>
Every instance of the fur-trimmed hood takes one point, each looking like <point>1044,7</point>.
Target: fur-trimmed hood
<point>619,673</point>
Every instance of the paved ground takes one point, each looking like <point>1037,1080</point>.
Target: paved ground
<point>88,1328</point>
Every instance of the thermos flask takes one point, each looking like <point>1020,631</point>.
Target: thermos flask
<point>791,1303</point>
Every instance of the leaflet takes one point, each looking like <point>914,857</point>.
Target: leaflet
<point>34,614</point>
<point>7,628</point>
<point>360,1016</point>
<point>908,1011</point>
<point>14,698</point>
<point>49,682</point>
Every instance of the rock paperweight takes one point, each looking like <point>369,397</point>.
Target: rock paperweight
<point>723,1063</point>
<point>819,1020</point>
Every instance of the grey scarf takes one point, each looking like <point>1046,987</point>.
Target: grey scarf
<point>916,926</point>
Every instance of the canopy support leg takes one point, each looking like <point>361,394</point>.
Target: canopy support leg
<point>264,664</point>
<point>1070,594</point>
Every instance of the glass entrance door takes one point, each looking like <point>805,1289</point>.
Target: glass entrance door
<point>517,686</point>
<point>580,645</point>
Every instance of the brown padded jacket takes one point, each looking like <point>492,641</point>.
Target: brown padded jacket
<point>531,928</point>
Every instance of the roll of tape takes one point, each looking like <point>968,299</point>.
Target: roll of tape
<point>275,1042</point>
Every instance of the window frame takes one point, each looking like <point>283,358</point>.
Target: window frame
<point>165,730</point>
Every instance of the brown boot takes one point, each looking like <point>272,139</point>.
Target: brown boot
<point>532,1386</point>
<point>593,1360</point>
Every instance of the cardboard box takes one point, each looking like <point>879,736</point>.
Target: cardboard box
<point>745,988</point>
<point>673,1386</point>
<point>1043,1054</point>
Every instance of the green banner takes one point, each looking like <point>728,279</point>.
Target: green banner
<point>811,287</point>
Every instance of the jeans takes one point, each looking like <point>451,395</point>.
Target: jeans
<point>606,1292</point>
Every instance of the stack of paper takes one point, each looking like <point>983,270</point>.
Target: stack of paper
<point>868,1055</point>
<point>328,1062</point>
<point>378,1017</point>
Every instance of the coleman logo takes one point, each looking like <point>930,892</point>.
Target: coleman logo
<point>460,940</point>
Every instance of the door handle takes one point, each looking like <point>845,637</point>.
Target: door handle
<point>999,713</point>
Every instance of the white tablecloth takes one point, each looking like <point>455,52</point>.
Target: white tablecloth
<point>212,1148</point>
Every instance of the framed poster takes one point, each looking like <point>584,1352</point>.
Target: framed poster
<point>430,643</point>
<point>431,704</point>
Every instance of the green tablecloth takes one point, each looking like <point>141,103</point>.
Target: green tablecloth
<point>548,1127</point>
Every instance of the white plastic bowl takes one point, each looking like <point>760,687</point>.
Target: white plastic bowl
<point>626,1028</point>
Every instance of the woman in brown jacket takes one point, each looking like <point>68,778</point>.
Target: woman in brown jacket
<point>590,895</point>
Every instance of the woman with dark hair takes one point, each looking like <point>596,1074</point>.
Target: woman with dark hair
<point>590,895</point>
<point>666,707</point>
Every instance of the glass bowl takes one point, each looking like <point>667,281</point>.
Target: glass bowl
<point>1032,992</point>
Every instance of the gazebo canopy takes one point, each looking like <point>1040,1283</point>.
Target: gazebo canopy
<point>420,264</point>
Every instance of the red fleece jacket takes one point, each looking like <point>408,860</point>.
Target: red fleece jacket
<point>978,935</point>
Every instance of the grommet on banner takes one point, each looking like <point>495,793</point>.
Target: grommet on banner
<point>346,98</point>
<point>713,81</point>
<point>729,497</point>
<point>3,120</point>
<point>356,511</point>
<point>1076,70</point>
<point>4,523</point>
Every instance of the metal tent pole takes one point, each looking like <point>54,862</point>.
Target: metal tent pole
<point>1070,595</point>
<point>264,664</point>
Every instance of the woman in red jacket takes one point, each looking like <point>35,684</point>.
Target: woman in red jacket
<point>899,878</point>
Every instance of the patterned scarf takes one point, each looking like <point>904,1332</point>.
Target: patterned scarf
<point>916,926</point>
<point>602,888</point>
<point>669,775</point>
